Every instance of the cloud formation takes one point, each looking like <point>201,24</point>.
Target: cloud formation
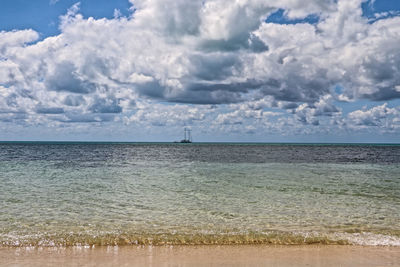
<point>217,60</point>
<point>379,116</point>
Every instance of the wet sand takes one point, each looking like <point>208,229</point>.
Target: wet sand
<point>203,256</point>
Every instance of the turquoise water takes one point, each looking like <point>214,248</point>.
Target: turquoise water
<point>121,194</point>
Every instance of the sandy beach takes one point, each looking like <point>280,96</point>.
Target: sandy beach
<point>203,256</point>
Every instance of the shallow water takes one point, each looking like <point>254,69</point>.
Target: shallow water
<point>118,194</point>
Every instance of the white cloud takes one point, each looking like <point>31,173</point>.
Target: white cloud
<point>11,40</point>
<point>202,52</point>
<point>167,115</point>
<point>387,119</point>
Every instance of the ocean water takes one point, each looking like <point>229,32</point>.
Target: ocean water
<point>90,194</point>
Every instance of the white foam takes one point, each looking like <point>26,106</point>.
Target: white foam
<point>368,239</point>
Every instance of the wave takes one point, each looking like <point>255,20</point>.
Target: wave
<point>160,239</point>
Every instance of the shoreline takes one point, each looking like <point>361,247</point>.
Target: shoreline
<point>206,255</point>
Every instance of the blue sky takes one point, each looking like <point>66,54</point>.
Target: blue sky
<point>39,14</point>
<point>43,15</point>
<point>320,71</point>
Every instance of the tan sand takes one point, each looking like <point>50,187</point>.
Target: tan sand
<point>203,256</point>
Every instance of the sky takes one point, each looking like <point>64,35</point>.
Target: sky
<point>230,70</point>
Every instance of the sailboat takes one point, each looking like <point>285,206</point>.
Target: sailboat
<point>187,136</point>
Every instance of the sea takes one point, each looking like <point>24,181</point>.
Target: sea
<point>118,194</point>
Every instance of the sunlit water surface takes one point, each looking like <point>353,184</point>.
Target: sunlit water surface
<point>121,194</point>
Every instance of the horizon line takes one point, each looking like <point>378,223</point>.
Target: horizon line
<point>200,142</point>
